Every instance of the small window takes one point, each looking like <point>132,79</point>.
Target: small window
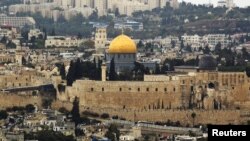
<point>92,89</point>
<point>120,89</point>
<point>165,89</point>
<point>174,89</point>
<point>139,89</point>
<point>103,89</point>
<point>233,88</point>
<point>147,89</point>
<point>129,89</point>
<point>156,89</point>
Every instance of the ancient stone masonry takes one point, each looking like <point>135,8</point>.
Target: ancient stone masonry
<point>201,90</point>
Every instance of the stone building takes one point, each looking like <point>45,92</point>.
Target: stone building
<point>201,90</point>
<point>100,39</point>
<point>124,52</point>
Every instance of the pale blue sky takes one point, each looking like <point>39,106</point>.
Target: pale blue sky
<point>240,3</point>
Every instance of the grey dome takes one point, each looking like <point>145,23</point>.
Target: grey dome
<point>207,62</point>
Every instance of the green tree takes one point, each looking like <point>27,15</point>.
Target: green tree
<point>112,73</point>
<point>47,135</point>
<point>3,40</point>
<point>93,16</point>
<point>53,32</point>
<point>113,133</point>
<point>157,69</point>
<point>206,50</point>
<point>71,74</point>
<point>46,103</point>
<point>3,114</point>
<point>78,69</point>
<point>30,108</point>
<point>217,48</point>
<point>117,13</point>
<point>75,112</point>
<point>193,115</point>
<point>62,71</point>
<point>63,110</point>
<point>248,71</point>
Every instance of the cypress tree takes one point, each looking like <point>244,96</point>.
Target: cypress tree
<point>71,74</point>
<point>112,73</point>
<point>75,112</point>
<point>62,72</point>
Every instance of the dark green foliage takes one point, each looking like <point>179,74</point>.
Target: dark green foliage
<point>157,69</point>
<point>113,133</point>
<point>4,40</point>
<point>90,114</point>
<point>15,109</point>
<point>29,108</point>
<point>193,115</point>
<point>117,13</point>
<point>47,135</point>
<point>53,32</point>
<point>173,62</point>
<point>46,103</point>
<point>63,110</point>
<point>10,44</point>
<point>79,69</point>
<point>206,50</point>
<point>248,71</point>
<point>3,114</point>
<point>75,112</point>
<point>217,48</point>
<point>63,72</point>
<point>232,68</point>
<point>105,115</point>
<point>112,73</point>
<point>71,74</point>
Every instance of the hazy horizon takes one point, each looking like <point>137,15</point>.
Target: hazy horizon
<point>240,3</point>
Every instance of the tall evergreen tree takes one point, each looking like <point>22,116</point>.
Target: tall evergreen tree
<point>75,112</point>
<point>113,133</point>
<point>53,32</point>
<point>78,69</point>
<point>62,72</point>
<point>112,73</point>
<point>157,69</point>
<point>71,74</point>
<point>217,48</point>
<point>206,50</point>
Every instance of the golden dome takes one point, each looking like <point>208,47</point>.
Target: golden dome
<point>122,44</point>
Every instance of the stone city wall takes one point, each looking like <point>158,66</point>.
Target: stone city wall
<point>183,116</point>
<point>10,100</point>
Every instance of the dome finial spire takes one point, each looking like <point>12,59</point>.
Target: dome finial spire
<point>122,30</point>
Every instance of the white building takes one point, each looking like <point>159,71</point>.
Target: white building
<point>195,41</point>
<point>213,39</point>
<point>6,32</point>
<point>226,3</point>
<point>61,41</point>
<point>17,21</point>
<point>34,33</point>
<point>132,25</point>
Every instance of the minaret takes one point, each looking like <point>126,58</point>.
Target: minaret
<point>104,68</point>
